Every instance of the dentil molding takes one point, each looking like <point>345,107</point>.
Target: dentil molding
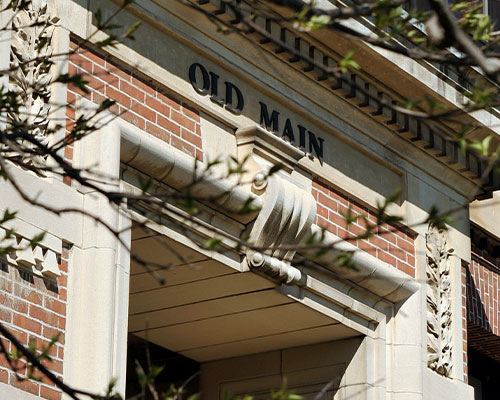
<point>37,259</point>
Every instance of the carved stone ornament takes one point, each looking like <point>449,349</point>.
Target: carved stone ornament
<point>286,215</point>
<point>288,210</point>
<point>439,330</point>
<point>31,48</point>
<point>37,259</point>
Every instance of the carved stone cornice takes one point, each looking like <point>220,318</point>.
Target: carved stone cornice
<point>368,95</point>
<point>439,314</point>
<point>254,143</point>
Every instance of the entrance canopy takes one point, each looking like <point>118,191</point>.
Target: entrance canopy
<point>207,310</point>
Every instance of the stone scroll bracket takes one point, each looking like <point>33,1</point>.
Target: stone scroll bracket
<point>36,259</point>
<point>288,209</point>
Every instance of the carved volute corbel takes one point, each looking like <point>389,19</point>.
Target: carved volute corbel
<point>288,210</point>
<point>439,314</point>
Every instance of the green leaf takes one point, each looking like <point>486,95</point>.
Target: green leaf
<point>392,198</point>
<point>54,339</point>
<point>37,239</point>
<point>141,376</point>
<point>212,163</point>
<point>75,80</point>
<point>411,103</point>
<point>314,23</point>
<point>98,18</point>
<point>392,219</point>
<point>348,61</point>
<point>105,105</point>
<point>145,184</point>
<point>275,168</point>
<point>212,243</point>
<point>485,145</point>
<point>440,221</point>
<point>344,259</point>
<point>301,16</point>
<point>249,206</point>
<point>131,29</point>
<point>154,371</point>
<point>460,6</point>
<point>111,386</point>
<point>349,217</point>
<point>6,250</point>
<point>481,147</point>
<point>7,216</point>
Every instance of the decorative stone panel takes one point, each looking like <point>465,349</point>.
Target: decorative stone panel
<point>439,313</point>
<point>31,48</point>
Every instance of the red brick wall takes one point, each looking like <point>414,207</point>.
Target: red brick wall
<point>482,295</point>
<point>34,309</point>
<point>139,102</point>
<point>464,318</point>
<point>483,313</point>
<point>390,244</point>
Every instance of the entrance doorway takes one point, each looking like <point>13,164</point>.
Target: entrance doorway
<point>177,371</point>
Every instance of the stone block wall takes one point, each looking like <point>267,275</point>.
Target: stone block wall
<point>33,308</point>
<point>390,244</point>
<point>338,368</point>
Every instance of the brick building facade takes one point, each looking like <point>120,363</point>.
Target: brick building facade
<point>414,314</point>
